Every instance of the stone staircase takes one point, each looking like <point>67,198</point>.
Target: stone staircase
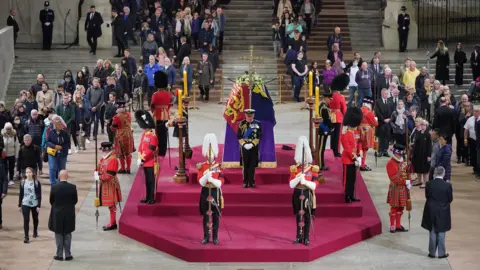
<point>249,23</point>
<point>365,33</point>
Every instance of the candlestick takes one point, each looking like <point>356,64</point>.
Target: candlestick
<point>180,103</point>
<point>317,102</point>
<point>310,83</point>
<point>185,87</point>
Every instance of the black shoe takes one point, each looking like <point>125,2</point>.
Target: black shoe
<point>431,256</point>
<point>392,231</point>
<point>122,171</point>
<point>94,53</point>
<point>401,229</point>
<point>338,155</point>
<point>215,242</point>
<point>35,234</point>
<point>355,199</point>
<point>118,55</point>
<point>348,200</point>
<point>365,169</point>
<point>205,240</point>
<point>16,56</point>
<point>144,201</point>
<point>90,51</point>
<point>298,240</point>
<point>253,186</point>
<point>69,258</point>
<point>175,168</point>
<point>459,161</point>
<point>127,171</point>
<point>306,242</point>
<point>444,256</point>
<point>58,258</point>
<point>26,240</point>
<point>111,228</point>
<point>244,186</point>
<point>151,202</point>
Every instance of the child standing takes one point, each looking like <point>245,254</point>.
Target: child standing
<point>29,200</point>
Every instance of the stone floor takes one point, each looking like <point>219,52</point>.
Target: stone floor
<point>95,249</point>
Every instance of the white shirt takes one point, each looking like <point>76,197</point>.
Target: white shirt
<point>470,126</point>
<point>353,72</point>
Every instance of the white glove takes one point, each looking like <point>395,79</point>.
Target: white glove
<point>47,24</point>
<point>408,183</point>
<point>294,182</point>
<point>248,146</point>
<point>302,179</point>
<point>376,118</point>
<point>139,162</point>
<point>96,176</point>
<point>358,161</point>
<point>167,124</point>
<point>204,178</point>
<point>217,183</point>
<point>311,185</point>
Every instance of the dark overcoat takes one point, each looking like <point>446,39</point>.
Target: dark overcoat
<point>436,213</point>
<point>63,198</point>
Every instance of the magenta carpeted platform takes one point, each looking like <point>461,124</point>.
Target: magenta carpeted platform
<point>258,225</point>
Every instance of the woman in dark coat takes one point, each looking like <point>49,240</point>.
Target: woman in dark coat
<point>421,151</point>
<point>443,61</point>
<point>443,157</point>
<point>459,59</point>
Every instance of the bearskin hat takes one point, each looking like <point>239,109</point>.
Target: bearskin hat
<point>144,119</point>
<point>161,79</point>
<point>368,100</point>
<point>352,117</point>
<point>340,82</point>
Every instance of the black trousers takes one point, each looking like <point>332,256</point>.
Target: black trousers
<point>26,219</point>
<point>121,45</point>
<point>102,118</point>
<point>215,225</point>
<point>323,144</point>
<point>220,42</point>
<point>15,36</point>
<point>403,40</point>
<point>110,133</point>
<point>350,177</point>
<point>205,91</point>
<point>308,22</point>
<point>249,163</point>
<point>10,169</point>
<point>150,91</point>
<point>476,72</point>
<point>459,74</point>
<point>92,41</point>
<point>472,151</point>
<point>162,135</point>
<point>47,37</point>
<point>1,201</point>
<point>306,227</point>
<point>73,133</point>
<point>335,138</point>
<point>149,183</point>
<point>462,151</point>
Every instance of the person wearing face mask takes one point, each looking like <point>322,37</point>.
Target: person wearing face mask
<point>18,126</point>
<point>69,83</point>
<point>47,16</point>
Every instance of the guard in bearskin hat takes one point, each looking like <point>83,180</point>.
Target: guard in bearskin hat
<point>123,141</point>
<point>147,154</point>
<point>338,108</point>
<point>352,151</point>
<point>367,130</point>
<point>160,107</point>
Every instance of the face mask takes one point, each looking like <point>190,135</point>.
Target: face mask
<point>84,70</point>
<point>67,80</point>
<point>355,64</point>
<point>16,122</point>
<point>140,71</point>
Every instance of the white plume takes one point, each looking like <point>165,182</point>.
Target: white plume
<point>302,143</point>
<point>210,142</point>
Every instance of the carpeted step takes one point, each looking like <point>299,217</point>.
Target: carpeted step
<point>274,208</point>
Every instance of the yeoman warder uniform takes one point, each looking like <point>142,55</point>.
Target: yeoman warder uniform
<point>352,153</point>
<point>304,180</point>
<point>109,187</point>
<point>147,154</point>
<point>123,141</point>
<point>210,177</point>
<point>249,134</point>
<point>160,107</point>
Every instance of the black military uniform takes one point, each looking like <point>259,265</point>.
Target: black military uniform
<point>403,22</point>
<point>249,135</point>
<point>325,127</point>
<point>47,16</point>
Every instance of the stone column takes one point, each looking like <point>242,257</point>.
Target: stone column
<point>389,29</point>
<point>105,8</point>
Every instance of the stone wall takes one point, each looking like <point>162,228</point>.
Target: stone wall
<point>7,58</point>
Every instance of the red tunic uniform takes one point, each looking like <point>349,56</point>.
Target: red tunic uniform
<point>338,108</point>
<point>311,174</point>
<point>161,103</point>
<point>351,144</point>
<point>215,168</point>
<point>123,142</point>
<point>109,190</point>
<point>397,190</point>
<point>217,173</point>
<point>147,150</point>
<point>367,128</point>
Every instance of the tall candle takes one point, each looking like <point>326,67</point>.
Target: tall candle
<point>185,89</point>
<point>180,104</point>
<point>317,102</point>
<point>310,83</point>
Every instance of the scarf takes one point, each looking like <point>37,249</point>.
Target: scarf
<point>399,120</point>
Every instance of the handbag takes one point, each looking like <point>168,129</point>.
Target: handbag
<point>51,151</point>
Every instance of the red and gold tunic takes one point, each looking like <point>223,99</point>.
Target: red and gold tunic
<point>397,190</point>
<point>122,125</point>
<point>338,108</point>
<point>367,128</point>
<point>352,147</point>
<point>210,189</point>
<point>161,103</point>
<point>147,150</point>
<point>311,174</point>
<point>109,189</point>
<point>215,168</point>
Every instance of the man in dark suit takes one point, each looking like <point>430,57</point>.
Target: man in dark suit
<point>12,22</point>
<point>377,70</point>
<point>475,62</point>
<point>396,96</point>
<point>384,80</point>
<point>93,27</point>
<point>47,16</point>
<point>183,51</point>
<point>129,22</point>
<point>63,198</point>
<point>383,111</point>
<point>3,189</point>
<point>436,213</point>
<point>119,31</point>
<point>444,120</point>
<point>162,38</point>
